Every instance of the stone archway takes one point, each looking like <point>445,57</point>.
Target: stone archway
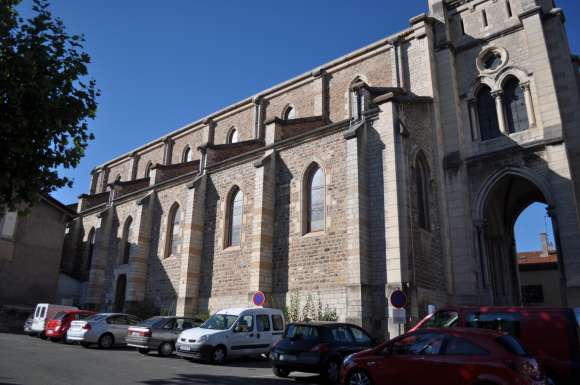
<point>120,290</point>
<point>504,197</point>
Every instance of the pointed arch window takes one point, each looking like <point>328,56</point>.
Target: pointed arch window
<point>515,106</point>
<point>232,136</point>
<point>289,113</point>
<point>487,114</point>
<point>234,218</point>
<point>127,239</point>
<point>91,248</point>
<point>148,170</point>
<point>187,155</point>
<point>173,231</point>
<point>315,199</point>
<point>422,192</point>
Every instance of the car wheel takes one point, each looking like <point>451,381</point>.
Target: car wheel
<point>106,341</point>
<point>166,349</point>
<point>358,377</point>
<point>331,371</point>
<point>42,336</point>
<point>280,372</point>
<point>85,344</point>
<point>54,339</point>
<point>218,356</point>
<point>143,350</point>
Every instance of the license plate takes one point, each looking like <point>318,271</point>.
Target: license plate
<point>287,357</point>
<point>135,333</point>
<point>185,348</point>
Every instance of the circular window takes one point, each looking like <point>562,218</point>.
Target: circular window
<point>491,59</point>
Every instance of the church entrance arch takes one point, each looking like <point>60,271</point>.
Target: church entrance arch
<point>501,201</point>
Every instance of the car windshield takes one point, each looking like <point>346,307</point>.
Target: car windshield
<point>303,332</point>
<point>151,322</point>
<point>442,319</point>
<point>96,317</point>
<point>60,316</point>
<point>219,322</point>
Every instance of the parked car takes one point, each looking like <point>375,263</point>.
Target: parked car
<point>57,327</point>
<point>443,357</point>
<point>28,325</point>
<point>44,312</point>
<point>317,347</point>
<point>159,333</point>
<point>232,332</point>
<point>103,329</point>
<point>550,334</point>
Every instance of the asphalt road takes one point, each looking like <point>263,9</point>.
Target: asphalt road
<point>30,361</point>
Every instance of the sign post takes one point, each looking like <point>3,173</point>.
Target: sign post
<point>398,300</point>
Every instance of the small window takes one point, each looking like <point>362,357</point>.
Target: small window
<point>487,114</point>
<point>183,324</point>
<point>127,239</point>
<point>515,106</point>
<point>484,17</point>
<point>234,218</point>
<point>360,336</point>
<point>341,334</point>
<point>277,322</point>
<point>117,320</point>
<point>42,312</point>
<point>461,347</point>
<point>245,324</point>
<point>509,8</point>
<point>148,170</point>
<point>173,231</point>
<point>91,248</point>
<point>289,113</point>
<point>263,322</point>
<point>187,155</point>
<point>303,332</point>
<point>422,180</point>
<point>503,322</point>
<point>462,25</point>
<point>232,136</point>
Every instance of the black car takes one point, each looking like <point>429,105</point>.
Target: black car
<point>318,347</point>
<point>159,333</point>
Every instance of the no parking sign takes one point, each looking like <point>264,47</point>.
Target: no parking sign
<point>258,298</point>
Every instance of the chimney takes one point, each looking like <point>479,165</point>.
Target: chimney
<point>545,244</point>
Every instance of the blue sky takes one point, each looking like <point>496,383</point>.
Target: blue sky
<point>161,65</point>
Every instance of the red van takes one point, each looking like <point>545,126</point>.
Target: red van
<point>57,327</point>
<point>550,334</point>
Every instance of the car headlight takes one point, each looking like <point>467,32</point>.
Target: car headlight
<point>204,338</point>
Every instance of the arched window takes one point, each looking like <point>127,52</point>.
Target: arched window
<point>187,155</point>
<point>487,114</point>
<point>422,192</point>
<point>289,113</point>
<point>315,187</point>
<point>234,218</point>
<point>515,106</point>
<point>232,136</point>
<point>357,93</point>
<point>118,178</point>
<point>173,231</point>
<point>91,248</point>
<point>127,239</point>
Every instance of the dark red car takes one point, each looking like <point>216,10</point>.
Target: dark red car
<point>445,357</point>
<point>57,327</point>
<point>549,334</point>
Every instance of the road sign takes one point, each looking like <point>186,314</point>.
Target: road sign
<point>258,298</point>
<point>398,299</point>
<point>399,316</point>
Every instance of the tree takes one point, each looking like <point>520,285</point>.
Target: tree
<point>45,103</point>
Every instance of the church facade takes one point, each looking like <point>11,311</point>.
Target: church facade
<point>402,165</point>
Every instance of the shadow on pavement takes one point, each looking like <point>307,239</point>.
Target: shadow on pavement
<point>182,379</point>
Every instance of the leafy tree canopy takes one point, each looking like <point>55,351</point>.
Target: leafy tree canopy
<point>45,103</point>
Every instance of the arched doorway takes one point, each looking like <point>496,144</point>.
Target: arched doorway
<point>120,293</point>
<point>502,201</point>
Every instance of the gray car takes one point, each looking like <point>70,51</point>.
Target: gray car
<point>103,329</point>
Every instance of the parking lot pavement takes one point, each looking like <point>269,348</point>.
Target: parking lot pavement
<point>30,361</point>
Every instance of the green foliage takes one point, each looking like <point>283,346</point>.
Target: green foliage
<point>45,103</point>
<point>296,313</point>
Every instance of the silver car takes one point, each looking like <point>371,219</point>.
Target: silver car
<point>103,329</point>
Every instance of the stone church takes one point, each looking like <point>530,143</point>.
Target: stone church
<point>403,164</point>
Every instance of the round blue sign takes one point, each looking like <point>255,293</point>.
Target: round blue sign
<point>398,299</point>
<point>258,298</point>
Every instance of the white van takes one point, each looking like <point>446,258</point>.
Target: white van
<point>44,312</point>
<point>232,332</point>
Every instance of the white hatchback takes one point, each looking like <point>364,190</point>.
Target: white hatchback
<point>232,332</point>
